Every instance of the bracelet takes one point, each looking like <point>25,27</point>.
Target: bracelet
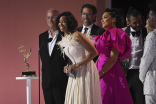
<point>77,65</point>
<point>102,71</point>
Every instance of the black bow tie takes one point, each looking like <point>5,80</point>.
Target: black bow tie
<point>136,34</point>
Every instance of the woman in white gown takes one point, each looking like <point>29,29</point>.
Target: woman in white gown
<point>85,87</point>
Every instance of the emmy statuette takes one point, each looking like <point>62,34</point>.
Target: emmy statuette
<point>27,73</point>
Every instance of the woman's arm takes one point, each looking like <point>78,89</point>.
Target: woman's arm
<point>88,46</point>
<point>110,63</point>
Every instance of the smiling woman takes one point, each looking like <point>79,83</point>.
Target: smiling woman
<point>111,19</point>
<point>63,25</point>
<point>114,45</point>
<point>66,22</point>
<point>85,88</point>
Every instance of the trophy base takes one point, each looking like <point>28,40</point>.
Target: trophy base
<point>28,73</point>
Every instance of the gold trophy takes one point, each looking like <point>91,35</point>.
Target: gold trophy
<point>27,73</point>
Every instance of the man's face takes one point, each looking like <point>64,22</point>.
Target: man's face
<point>51,18</point>
<point>87,16</point>
<point>136,22</point>
<point>151,20</point>
<point>149,29</point>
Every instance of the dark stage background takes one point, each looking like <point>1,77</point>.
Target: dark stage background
<point>141,5</point>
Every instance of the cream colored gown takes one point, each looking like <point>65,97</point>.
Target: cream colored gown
<point>85,88</point>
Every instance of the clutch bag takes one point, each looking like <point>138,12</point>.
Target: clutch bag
<point>70,74</point>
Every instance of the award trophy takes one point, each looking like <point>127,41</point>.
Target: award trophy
<point>27,73</point>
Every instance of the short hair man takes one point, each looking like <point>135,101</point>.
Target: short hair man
<point>88,16</point>
<point>127,24</point>
<point>137,34</point>
<point>54,81</point>
<point>148,61</point>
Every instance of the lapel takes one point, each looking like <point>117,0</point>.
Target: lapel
<point>45,45</point>
<point>80,29</point>
<point>93,30</point>
<point>128,30</point>
<point>56,46</point>
<point>144,32</point>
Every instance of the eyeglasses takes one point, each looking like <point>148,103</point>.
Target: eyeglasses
<point>88,14</point>
<point>52,17</point>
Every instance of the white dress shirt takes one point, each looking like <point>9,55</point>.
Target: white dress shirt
<point>88,31</point>
<point>136,50</point>
<point>52,43</point>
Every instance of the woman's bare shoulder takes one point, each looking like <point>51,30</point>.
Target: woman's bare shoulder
<point>77,35</point>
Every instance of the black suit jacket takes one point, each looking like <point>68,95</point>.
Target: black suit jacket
<point>95,31</point>
<point>52,66</point>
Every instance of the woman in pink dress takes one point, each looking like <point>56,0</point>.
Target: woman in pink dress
<point>113,46</point>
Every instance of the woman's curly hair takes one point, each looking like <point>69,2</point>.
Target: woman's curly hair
<point>72,22</point>
<point>115,13</point>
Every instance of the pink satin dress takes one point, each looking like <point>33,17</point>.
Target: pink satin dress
<point>114,87</point>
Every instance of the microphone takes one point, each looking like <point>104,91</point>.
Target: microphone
<point>46,40</point>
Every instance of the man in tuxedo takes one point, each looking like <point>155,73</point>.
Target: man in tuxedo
<point>88,16</point>
<point>54,80</point>
<point>137,34</point>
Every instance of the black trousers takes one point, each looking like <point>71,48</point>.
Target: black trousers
<point>135,86</point>
<point>54,95</point>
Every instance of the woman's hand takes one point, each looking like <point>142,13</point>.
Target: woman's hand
<point>101,73</point>
<point>69,69</point>
<point>84,41</point>
<point>75,66</point>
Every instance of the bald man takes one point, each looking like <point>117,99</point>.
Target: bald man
<point>54,81</point>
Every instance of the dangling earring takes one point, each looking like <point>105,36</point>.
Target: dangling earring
<point>112,24</point>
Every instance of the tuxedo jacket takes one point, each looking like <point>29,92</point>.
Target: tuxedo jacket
<point>52,66</point>
<point>125,64</point>
<point>144,32</point>
<point>95,31</point>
